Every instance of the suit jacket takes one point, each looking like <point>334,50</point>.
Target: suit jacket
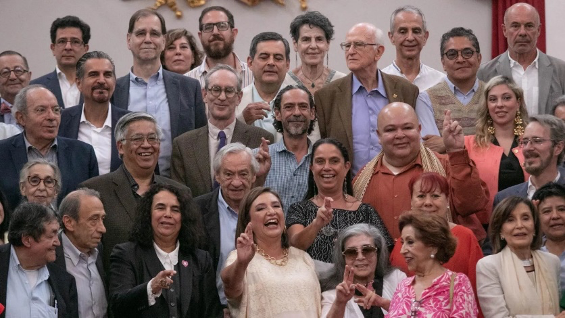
<point>520,190</point>
<point>208,206</point>
<point>120,206</point>
<point>186,108</point>
<point>71,120</point>
<point>133,266</point>
<point>51,82</point>
<point>334,105</point>
<point>550,77</point>
<point>76,160</point>
<point>190,159</point>
<point>62,284</point>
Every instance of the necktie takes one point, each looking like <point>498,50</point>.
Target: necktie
<point>5,109</point>
<point>221,143</point>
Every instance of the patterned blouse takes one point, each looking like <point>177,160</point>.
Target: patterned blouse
<point>435,300</point>
<point>304,213</point>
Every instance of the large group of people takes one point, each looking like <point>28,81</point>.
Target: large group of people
<point>205,185</point>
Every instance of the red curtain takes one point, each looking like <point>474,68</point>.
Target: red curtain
<point>498,41</point>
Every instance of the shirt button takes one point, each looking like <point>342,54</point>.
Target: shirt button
<point>172,290</point>
<point>172,304</point>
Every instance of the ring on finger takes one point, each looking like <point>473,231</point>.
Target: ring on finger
<point>162,283</point>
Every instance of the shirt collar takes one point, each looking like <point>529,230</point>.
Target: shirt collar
<point>453,87</point>
<point>280,146</point>
<point>531,189</point>
<point>107,121</point>
<point>163,256</point>
<point>73,253</point>
<point>213,130</point>
<point>133,184</point>
<point>59,73</point>
<point>203,68</point>
<point>222,202</point>
<point>399,70</point>
<point>135,79</point>
<point>53,144</point>
<point>513,63</point>
<point>43,273</point>
<point>356,84</point>
<point>2,100</point>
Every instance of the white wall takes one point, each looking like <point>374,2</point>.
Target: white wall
<point>554,11</point>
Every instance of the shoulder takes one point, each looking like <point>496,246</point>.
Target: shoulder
<point>191,134</point>
<point>550,258</point>
<point>100,183</point>
<point>74,143</point>
<point>488,263</point>
<point>514,190</point>
<point>71,111</point>
<point>205,199</point>
<point>123,80</point>
<point>118,110</point>
<point>334,85</point>
<point>164,180</point>
<point>122,250</point>
<point>365,207</point>
<point>44,78</point>
<point>181,78</point>
<point>461,231</point>
<point>295,253</point>
<point>59,273</point>
<point>7,143</point>
<point>395,276</point>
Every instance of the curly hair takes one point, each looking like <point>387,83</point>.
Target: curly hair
<point>277,106</point>
<point>191,233</point>
<point>312,19</point>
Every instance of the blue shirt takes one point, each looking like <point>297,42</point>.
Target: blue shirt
<point>24,300</point>
<point>228,220</point>
<point>151,97</point>
<point>464,98</point>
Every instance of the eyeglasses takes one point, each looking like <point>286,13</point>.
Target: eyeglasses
<point>466,53</point>
<point>209,27</point>
<point>352,252</point>
<point>74,42</point>
<point>41,110</point>
<point>138,140</point>
<point>415,308</point>
<point>536,141</point>
<point>229,92</point>
<point>48,182</point>
<point>358,45</point>
<point>18,71</point>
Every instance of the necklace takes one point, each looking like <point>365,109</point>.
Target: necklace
<point>527,262</point>
<point>312,81</point>
<point>271,259</point>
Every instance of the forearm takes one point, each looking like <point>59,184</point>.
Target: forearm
<point>304,238</point>
<point>233,279</point>
<point>469,193</point>
<point>337,310</point>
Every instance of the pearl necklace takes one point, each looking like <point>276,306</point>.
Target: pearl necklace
<point>271,259</point>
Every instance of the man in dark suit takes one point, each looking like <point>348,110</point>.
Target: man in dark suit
<point>92,122</point>
<point>541,76</point>
<point>235,169</point>
<point>39,115</point>
<point>138,141</point>
<point>14,75</point>
<point>82,215</point>
<point>174,100</point>
<point>29,258</point>
<point>193,151</point>
<point>543,149</point>
<point>351,115</point>
<point>69,41</point>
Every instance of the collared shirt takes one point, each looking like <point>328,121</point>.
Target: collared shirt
<point>151,97</point>
<point>427,77</point>
<point>267,122</point>
<point>28,292</point>
<point>200,72</point>
<point>99,138</point>
<point>90,288</point>
<point>213,141</point>
<point>133,184</point>
<point>561,257</point>
<point>69,91</point>
<point>286,176</point>
<point>365,108</point>
<point>9,118</point>
<point>7,131</point>
<point>228,219</point>
<point>531,189</point>
<point>33,153</point>
<point>528,80</point>
<point>168,260</point>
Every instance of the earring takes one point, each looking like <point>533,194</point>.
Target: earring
<point>431,255</point>
<point>502,237</point>
<point>296,64</point>
<point>519,129</point>
<point>490,128</point>
<point>327,52</point>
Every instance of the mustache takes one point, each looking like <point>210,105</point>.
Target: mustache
<point>100,86</point>
<point>216,37</point>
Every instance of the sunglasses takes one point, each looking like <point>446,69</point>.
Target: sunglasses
<point>366,250</point>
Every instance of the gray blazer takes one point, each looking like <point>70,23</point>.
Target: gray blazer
<point>190,159</point>
<point>550,77</point>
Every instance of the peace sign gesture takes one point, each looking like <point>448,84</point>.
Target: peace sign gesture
<point>345,290</point>
<point>245,245</point>
<point>370,298</point>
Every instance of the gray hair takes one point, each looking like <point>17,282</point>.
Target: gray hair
<point>407,8</point>
<point>93,55</point>
<point>375,32</point>
<point>71,204</point>
<point>24,173</point>
<point>21,100</point>
<point>556,127</point>
<point>560,101</point>
<point>29,219</point>
<point>222,67</point>
<point>234,148</point>
<point>336,275</point>
<point>124,123</point>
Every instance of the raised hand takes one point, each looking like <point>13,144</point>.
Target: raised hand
<point>345,290</point>
<point>324,213</point>
<point>255,111</point>
<point>245,245</point>
<point>263,158</point>
<point>452,133</point>
<point>370,298</point>
<point>162,280</point>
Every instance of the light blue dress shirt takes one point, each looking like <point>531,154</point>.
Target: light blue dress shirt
<point>151,97</point>
<point>228,219</point>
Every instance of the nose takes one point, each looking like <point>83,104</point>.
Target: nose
<point>68,46</point>
<point>428,200</point>
<point>403,249</point>
<point>410,35</point>
<point>56,241</point>
<point>101,227</point>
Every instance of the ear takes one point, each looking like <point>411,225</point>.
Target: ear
<point>287,65</point>
<point>20,119</point>
<point>558,148</point>
<point>277,113</point>
<point>120,147</point>
<point>250,60</point>
<point>26,240</point>
<point>504,29</point>
<point>86,48</point>
<point>295,46</point>
<point>379,52</point>
<point>128,38</point>
<point>52,46</point>
<point>235,33</point>
<point>200,35</point>
<point>479,58</point>
<point>425,37</point>
<point>313,113</point>
<point>253,179</point>
<point>347,165</point>
<point>239,97</point>
<point>390,35</point>
<point>68,223</point>
<point>22,188</point>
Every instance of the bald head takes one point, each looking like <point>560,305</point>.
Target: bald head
<point>370,31</point>
<point>396,111</point>
<point>523,9</point>
<point>399,133</point>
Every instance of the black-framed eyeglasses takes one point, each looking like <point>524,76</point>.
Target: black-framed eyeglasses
<point>366,250</point>
<point>358,45</point>
<point>229,92</point>
<point>209,27</point>
<point>18,71</point>
<point>535,141</point>
<point>74,42</point>
<point>415,308</point>
<point>138,140</point>
<point>48,182</point>
<point>466,53</point>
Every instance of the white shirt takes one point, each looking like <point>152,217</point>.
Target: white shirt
<point>168,260</point>
<point>99,138</point>
<point>528,80</point>
<point>531,189</point>
<point>7,131</point>
<point>213,141</point>
<point>70,92</point>
<point>427,77</point>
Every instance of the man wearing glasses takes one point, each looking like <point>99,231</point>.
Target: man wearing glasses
<point>543,148</point>
<point>69,41</point>
<point>217,35</point>
<point>347,108</point>
<point>14,75</point>
<point>460,91</point>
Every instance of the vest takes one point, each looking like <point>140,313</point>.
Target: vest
<point>443,98</point>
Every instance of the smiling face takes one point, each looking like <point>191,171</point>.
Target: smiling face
<point>415,252</point>
<point>98,81</point>
<point>43,250</point>
<point>538,158</point>
<point>429,202</point>
<point>68,55</point>
<point>222,108</point>
<point>143,156</point>
<point>178,56</point>
<point>266,216</point>
<point>42,117</point>
<point>519,228</point>
<point>217,44</point>
<point>146,40</point>
<point>522,29</point>
<point>40,193</point>
<point>165,216</point>
<point>329,168</point>
<point>460,69</point>
<point>312,45</point>
<point>86,232</point>
<point>409,37</point>
<point>235,177</point>
<point>9,87</point>
<point>502,105</point>
<point>363,265</point>
<point>399,131</point>
<point>358,60</point>
<point>551,215</point>
<point>269,65</point>
<point>295,113</point>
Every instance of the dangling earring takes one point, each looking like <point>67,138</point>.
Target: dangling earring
<point>327,52</point>
<point>518,130</point>
<point>490,128</point>
<point>296,64</point>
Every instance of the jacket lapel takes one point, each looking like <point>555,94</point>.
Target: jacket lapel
<point>344,102</point>
<point>19,152</point>
<point>186,281</point>
<point>124,193</point>
<point>115,160</point>
<point>503,65</point>
<point>213,224</point>
<point>201,150</point>
<point>544,79</point>
<point>174,101</point>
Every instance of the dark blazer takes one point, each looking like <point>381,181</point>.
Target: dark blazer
<point>71,120</point>
<point>334,105</point>
<point>76,160</point>
<point>120,206</point>
<point>550,77</point>
<point>208,206</point>
<point>61,282</point>
<point>186,108</point>
<point>133,266</point>
<point>190,158</point>
<point>51,82</point>
<point>520,190</point>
